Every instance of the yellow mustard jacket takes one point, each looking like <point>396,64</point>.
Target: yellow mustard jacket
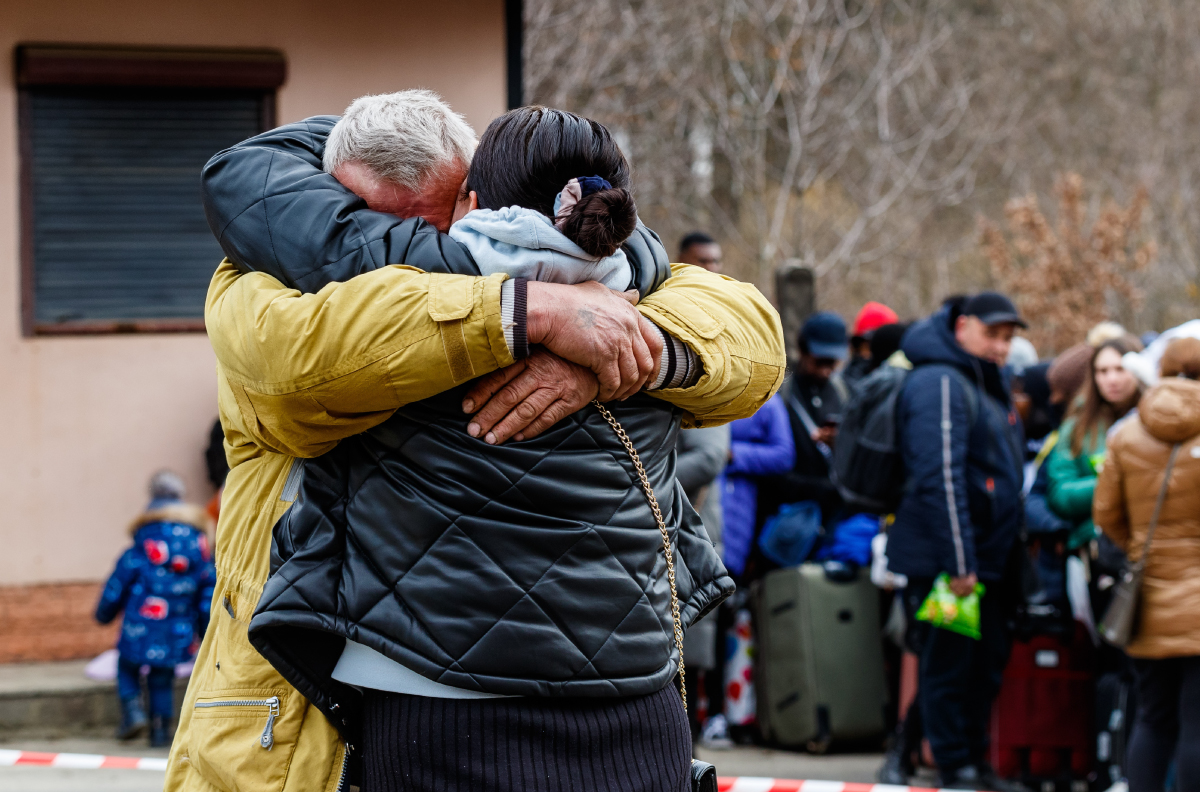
<point>296,373</point>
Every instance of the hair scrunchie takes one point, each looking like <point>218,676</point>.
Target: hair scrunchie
<point>576,190</point>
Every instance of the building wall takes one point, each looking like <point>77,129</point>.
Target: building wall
<point>88,419</point>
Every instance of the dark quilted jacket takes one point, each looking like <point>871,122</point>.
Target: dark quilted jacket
<point>532,568</point>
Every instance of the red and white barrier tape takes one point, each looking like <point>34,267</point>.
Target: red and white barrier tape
<point>80,761</point>
<point>750,784</point>
<point>726,784</point>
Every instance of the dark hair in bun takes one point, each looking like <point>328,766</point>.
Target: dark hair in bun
<point>528,155</point>
<point>600,222</point>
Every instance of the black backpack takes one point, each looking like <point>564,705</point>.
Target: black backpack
<point>867,465</point>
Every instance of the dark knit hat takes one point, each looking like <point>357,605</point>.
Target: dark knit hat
<point>1070,371</point>
<point>885,341</point>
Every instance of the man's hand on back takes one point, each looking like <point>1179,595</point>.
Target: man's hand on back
<point>528,397</point>
<point>597,328</point>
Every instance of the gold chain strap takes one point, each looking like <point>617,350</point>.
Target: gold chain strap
<point>666,536</point>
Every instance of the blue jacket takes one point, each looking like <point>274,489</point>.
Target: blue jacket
<point>164,585</point>
<point>963,455</point>
<point>760,445</point>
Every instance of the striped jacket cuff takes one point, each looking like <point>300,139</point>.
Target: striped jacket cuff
<point>679,366</point>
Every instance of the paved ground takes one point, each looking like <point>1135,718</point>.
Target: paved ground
<point>736,761</point>
<point>54,779</point>
<point>57,677</point>
<point>751,761</point>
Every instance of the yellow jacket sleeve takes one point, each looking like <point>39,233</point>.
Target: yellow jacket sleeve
<point>307,370</point>
<point>735,331</point>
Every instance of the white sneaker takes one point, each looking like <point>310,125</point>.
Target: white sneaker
<point>715,734</point>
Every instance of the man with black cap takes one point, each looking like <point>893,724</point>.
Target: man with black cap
<point>815,399</point>
<point>962,446</point>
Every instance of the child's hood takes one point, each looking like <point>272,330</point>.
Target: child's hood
<point>176,513</point>
<point>523,243</point>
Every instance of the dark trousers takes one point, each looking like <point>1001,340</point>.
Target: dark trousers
<point>959,678</point>
<point>1167,725</point>
<point>161,682</point>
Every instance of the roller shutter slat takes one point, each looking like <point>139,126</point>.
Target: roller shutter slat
<point>119,230</point>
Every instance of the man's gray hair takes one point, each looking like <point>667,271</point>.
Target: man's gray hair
<point>403,137</point>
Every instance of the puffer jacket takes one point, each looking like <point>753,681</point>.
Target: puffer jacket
<point>163,585</point>
<point>492,584</point>
<point>760,445</point>
<point>1071,480</point>
<point>1126,493</point>
<point>963,454</point>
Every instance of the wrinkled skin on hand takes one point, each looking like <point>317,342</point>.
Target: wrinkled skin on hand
<point>528,397</point>
<point>598,328</point>
<point>593,344</point>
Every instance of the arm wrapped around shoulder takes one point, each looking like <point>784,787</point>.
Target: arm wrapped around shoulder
<point>735,332</point>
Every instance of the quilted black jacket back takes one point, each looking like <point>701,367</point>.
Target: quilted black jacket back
<point>530,568</point>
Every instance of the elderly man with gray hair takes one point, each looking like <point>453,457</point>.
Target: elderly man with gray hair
<point>339,316</point>
<point>405,154</point>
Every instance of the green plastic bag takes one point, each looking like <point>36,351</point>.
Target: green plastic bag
<point>957,614</point>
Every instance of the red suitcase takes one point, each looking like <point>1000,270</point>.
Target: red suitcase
<point>1042,720</point>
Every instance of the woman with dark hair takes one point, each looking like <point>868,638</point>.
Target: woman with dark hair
<point>1073,464</point>
<point>479,615</point>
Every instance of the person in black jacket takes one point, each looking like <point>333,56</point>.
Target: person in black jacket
<point>963,450</point>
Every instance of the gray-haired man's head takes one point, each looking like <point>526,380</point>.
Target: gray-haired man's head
<point>405,153</point>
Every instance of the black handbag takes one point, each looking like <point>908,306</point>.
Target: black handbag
<point>704,775</point>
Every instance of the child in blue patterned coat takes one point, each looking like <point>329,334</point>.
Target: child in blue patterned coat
<point>164,585</point>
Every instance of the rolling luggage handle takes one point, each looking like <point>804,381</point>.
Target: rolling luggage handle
<point>1118,625</point>
<point>703,774</point>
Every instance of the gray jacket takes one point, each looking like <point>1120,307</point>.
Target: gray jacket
<point>701,456</point>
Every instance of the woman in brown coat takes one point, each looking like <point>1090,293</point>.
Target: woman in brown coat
<point>1166,648</point>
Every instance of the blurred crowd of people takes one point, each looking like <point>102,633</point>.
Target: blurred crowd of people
<point>944,447</point>
<point>1035,481</point>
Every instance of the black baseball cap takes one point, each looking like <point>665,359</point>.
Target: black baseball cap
<point>824,336</point>
<point>993,308</point>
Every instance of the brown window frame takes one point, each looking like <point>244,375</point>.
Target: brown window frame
<point>51,65</point>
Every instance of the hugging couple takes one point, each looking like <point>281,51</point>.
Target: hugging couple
<point>437,567</point>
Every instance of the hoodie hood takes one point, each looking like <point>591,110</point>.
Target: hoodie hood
<point>1170,411</point>
<point>179,513</point>
<point>931,342</point>
<point>523,243</point>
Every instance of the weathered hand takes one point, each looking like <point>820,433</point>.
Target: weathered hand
<point>598,328</point>
<point>826,435</point>
<point>963,586</point>
<point>528,397</point>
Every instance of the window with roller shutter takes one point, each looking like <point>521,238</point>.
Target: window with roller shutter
<point>114,237</point>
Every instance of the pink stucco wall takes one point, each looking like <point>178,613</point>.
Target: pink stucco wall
<point>86,420</point>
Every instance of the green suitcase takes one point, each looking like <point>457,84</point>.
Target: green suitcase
<point>819,670</point>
